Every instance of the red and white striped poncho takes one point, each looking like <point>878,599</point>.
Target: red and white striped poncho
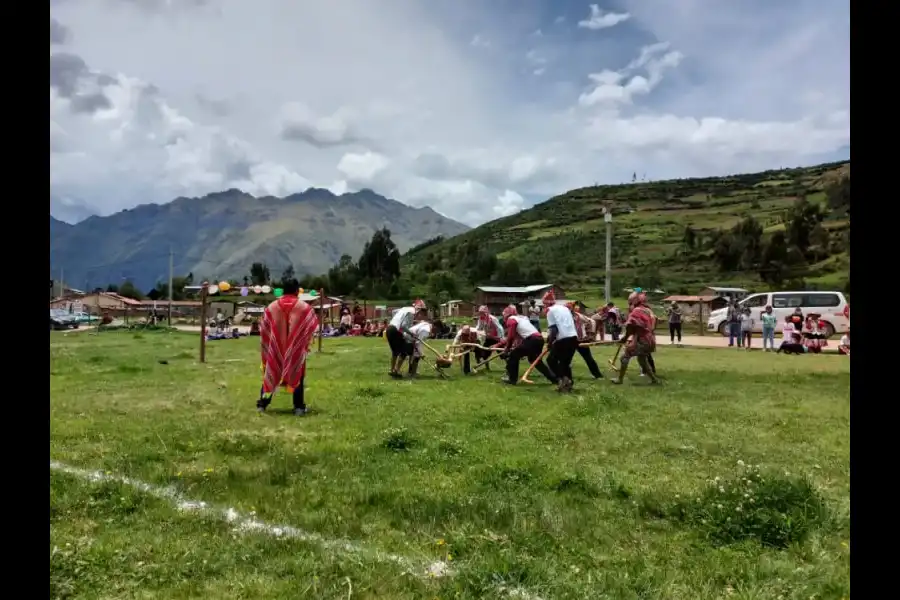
<point>286,332</point>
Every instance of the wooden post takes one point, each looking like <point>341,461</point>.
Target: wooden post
<point>203,293</point>
<point>321,316</point>
<point>700,318</point>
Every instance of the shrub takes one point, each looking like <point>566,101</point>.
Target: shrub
<point>775,510</point>
<point>397,439</point>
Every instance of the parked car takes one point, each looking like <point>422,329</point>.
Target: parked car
<point>831,305</point>
<point>60,319</point>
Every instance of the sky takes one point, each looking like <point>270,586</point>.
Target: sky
<point>477,109</point>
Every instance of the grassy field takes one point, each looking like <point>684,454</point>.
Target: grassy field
<point>731,480</point>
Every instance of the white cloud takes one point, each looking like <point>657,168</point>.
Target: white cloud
<point>620,87</point>
<point>149,100</point>
<point>509,203</point>
<point>362,168</point>
<point>602,20</point>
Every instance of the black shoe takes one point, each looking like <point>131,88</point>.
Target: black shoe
<point>299,412</point>
<point>261,409</point>
<point>506,380</point>
<point>395,375</point>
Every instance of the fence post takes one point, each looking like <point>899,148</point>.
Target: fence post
<point>203,293</point>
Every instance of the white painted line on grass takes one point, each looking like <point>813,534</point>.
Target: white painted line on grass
<point>250,524</point>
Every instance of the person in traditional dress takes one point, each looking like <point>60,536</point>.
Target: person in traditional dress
<point>814,333</point>
<point>790,338</point>
<point>844,346</point>
<point>562,340</point>
<point>584,326</point>
<point>488,326</point>
<point>418,333</point>
<point>397,332</point>
<point>522,341</point>
<point>286,333</point>
<point>639,340</point>
<point>612,321</point>
<point>466,335</point>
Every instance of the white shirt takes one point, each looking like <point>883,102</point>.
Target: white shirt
<point>403,318</point>
<point>420,331</point>
<point>787,332</point>
<point>845,341</point>
<point>561,317</point>
<point>524,328</point>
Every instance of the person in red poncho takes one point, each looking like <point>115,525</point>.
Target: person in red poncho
<point>639,340</point>
<point>286,332</point>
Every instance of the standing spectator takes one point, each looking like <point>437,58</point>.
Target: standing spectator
<point>534,315</point>
<point>674,322</point>
<point>746,328</point>
<point>734,324</point>
<point>769,322</point>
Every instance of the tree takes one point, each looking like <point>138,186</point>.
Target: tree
<point>838,195</point>
<point>537,275</point>
<point>689,239</point>
<point>800,221</point>
<point>727,251</point>
<point>648,278</point>
<point>773,264</point>
<point>819,240</point>
<point>259,273</point>
<point>129,290</point>
<point>508,272</point>
<point>288,273</point>
<point>379,263</point>
<point>112,288</point>
<point>343,278</point>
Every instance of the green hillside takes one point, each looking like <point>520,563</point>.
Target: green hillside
<point>789,226</point>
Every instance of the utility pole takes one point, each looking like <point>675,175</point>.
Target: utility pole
<point>607,284</point>
<point>171,267</point>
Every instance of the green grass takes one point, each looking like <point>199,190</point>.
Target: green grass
<point>610,492</point>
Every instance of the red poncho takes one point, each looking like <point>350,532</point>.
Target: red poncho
<point>286,333</point>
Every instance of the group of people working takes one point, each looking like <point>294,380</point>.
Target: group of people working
<point>516,336</point>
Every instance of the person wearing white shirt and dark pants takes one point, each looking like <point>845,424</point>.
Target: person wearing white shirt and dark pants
<point>522,341</point>
<point>563,341</point>
<point>397,333</point>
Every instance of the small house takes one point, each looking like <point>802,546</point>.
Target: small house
<point>457,308</point>
<point>696,308</point>
<point>496,298</point>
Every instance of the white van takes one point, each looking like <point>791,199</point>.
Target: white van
<point>831,305</point>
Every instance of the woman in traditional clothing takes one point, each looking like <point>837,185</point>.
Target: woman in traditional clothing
<point>490,327</point>
<point>814,333</point>
<point>639,339</point>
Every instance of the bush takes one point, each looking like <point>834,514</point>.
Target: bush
<point>397,439</point>
<point>775,510</point>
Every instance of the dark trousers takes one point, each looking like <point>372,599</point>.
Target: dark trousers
<point>531,349</point>
<point>483,355</point>
<point>675,329</point>
<point>264,400</point>
<point>560,357</point>
<point>467,368</point>
<point>588,357</point>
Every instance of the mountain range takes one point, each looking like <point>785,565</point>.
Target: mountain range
<point>221,234</point>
